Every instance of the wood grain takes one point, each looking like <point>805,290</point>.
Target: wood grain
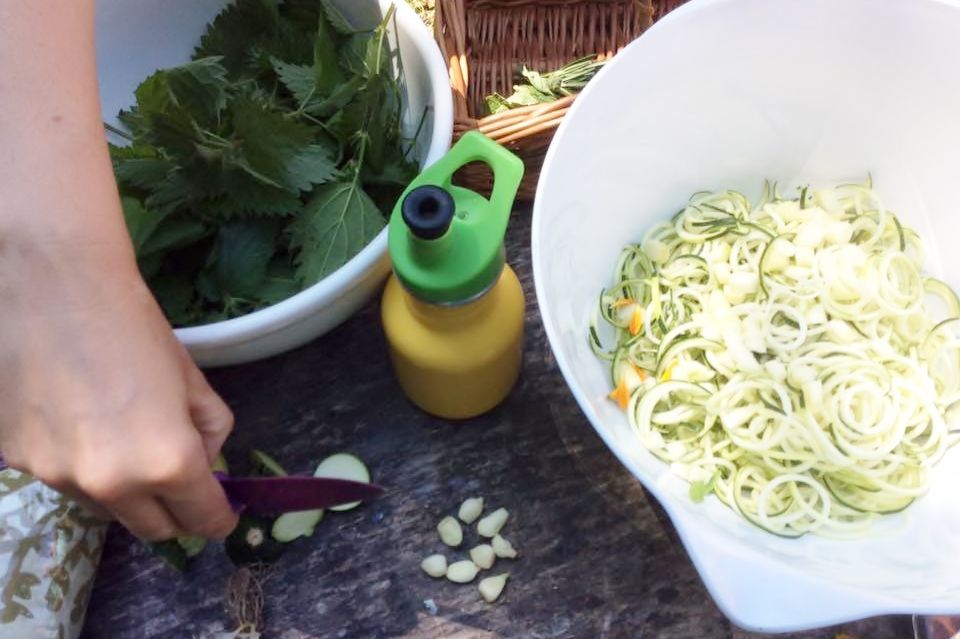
<point>599,560</point>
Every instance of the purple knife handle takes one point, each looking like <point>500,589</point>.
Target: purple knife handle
<point>237,505</point>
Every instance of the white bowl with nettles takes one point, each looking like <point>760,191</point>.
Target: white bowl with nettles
<point>723,94</point>
<point>136,37</point>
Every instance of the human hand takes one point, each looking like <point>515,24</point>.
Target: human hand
<point>100,400</point>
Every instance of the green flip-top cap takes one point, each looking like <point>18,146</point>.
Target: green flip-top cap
<point>446,241</point>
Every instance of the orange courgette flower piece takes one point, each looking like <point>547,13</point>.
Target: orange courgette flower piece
<point>636,321</point>
<point>621,394</point>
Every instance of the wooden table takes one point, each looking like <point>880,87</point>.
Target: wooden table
<point>598,558</point>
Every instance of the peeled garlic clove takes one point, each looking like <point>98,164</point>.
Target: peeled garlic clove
<point>462,572</point>
<point>503,548</point>
<point>491,587</point>
<point>490,525</point>
<point>470,509</point>
<point>484,556</point>
<point>435,565</point>
<point>450,532</point>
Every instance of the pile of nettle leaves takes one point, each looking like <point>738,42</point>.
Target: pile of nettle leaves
<point>266,162</point>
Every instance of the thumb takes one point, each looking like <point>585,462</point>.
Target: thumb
<point>211,416</point>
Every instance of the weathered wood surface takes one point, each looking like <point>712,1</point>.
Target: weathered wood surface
<point>598,559</point>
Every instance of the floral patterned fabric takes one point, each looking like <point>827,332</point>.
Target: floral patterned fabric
<point>49,549</point>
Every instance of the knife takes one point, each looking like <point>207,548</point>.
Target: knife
<point>276,495</point>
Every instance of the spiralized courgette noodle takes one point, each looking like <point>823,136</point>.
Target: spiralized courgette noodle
<point>790,356</point>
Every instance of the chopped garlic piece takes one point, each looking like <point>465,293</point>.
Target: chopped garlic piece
<point>462,572</point>
<point>435,565</point>
<point>470,509</point>
<point>450,532</point>
<point>490,525</point>
<point>484,556</point>
<point>503,548</point>
<point>492,587</point>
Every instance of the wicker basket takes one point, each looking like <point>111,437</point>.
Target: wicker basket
<point>485,43</point>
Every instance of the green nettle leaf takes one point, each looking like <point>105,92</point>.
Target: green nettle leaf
<point>280,283</point>
<point>236,30</point>
<point>244,249</point>
<point>269,143</point>
<point>338,100</point>
<point>326,62</point>
<point>336,19</point>
<point>311,166</point>
<point>142,173</point>
<point>173,233</point>
<point>302,11</point>
<point>131,152</point>
<point>175,293</point>
<point>199,88</point>
<point>298,78</point>
<point>336,224</point>
<point>165,123</point>
<point>249,198</point>
<point>172,192</point>
<point>141,222</point>
<point>353,54</point>
<point>396,171</point>
<point>294,42</point>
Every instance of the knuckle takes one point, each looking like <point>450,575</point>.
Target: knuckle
<point>51,474</point>
<point>103,483</point>
<point>173,466</point>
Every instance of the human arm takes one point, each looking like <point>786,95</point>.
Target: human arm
<point>97,397</point>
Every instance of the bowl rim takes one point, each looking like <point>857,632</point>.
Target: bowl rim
<point>855,607</point>
<point>277,317</point>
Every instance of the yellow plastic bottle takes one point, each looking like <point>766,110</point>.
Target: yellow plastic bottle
<point>453,310</point>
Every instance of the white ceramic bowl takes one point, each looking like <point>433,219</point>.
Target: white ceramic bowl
<point>725,93</point>
<point>135,37</point>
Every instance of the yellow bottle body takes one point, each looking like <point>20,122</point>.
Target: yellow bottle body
<point>459,361</point>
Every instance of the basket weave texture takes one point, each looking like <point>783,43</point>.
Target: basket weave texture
<point>487,42</point>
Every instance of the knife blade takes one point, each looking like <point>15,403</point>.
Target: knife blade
<point>277,495</point>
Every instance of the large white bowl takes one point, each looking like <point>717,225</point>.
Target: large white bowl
<point>725,93</point>
<point>135,37</point>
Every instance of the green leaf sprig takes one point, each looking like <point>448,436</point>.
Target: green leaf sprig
<point>541,88</point>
